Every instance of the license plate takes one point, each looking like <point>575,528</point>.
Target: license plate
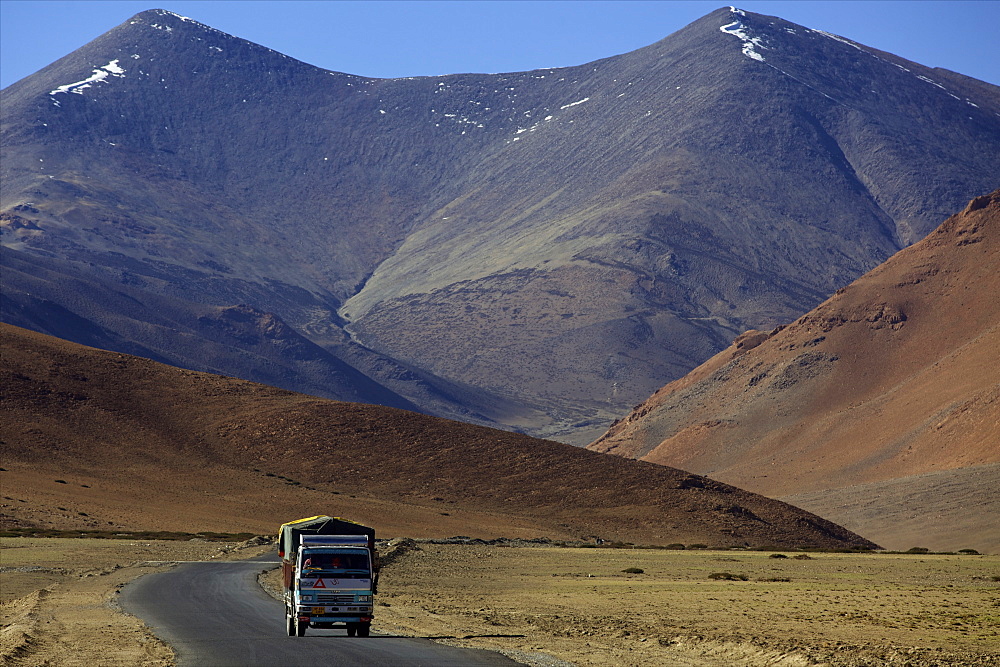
<point>318,611</point>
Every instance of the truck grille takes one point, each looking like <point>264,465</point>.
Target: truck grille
<point>330,598</point>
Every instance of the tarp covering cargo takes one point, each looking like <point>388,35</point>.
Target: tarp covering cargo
<point>288,535</point>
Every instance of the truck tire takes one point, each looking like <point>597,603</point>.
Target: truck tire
<point>364,629</point>
<point>300,629</point>
<point>351,629</point>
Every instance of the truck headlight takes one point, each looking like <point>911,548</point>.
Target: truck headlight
<point>307,598</point>
<point>364,598</point>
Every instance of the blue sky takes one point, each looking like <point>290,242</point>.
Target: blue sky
<point>415,38</point>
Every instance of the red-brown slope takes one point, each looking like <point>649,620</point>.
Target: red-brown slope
<point>93,438</point>
<point>894,376</point>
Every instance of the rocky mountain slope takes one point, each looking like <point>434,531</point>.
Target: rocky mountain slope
<point>880,407</point>
<point>539,249</point>
<point>94,438</point>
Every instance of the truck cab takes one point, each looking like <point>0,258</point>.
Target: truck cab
<point>333,585</point>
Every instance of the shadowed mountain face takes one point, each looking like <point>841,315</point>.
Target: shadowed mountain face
<point>139,444</point>
<point>889,390</point>
<point>540,250</point>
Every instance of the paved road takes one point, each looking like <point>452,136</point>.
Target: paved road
<point>215,615</point>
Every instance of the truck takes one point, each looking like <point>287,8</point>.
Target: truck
<point>330,574</point>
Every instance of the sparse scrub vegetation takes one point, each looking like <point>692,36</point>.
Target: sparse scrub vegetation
<point>127,534</point>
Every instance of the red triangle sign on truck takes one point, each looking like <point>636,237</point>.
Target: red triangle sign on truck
<point>319,583</point>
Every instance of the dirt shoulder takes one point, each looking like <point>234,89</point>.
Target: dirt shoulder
<point>57,599</point>
<point>578,605</point>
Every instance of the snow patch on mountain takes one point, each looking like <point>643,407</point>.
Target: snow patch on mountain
<point>164,12</point>
<point>848,42</point>
<point>931,81</point>
<point>111,69</point>
<point>750,43</point>
<point>840,39</point>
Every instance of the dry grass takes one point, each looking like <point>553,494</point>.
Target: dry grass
<point>579,605</point>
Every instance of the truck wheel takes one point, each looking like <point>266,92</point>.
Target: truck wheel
<point>300,629</point>
<point>351,629</point>
<point>364,629</point>
<point>290,624</point>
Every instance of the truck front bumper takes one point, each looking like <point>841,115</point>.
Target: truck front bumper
<point>359,614</point>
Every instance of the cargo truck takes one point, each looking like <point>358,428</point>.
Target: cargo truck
<point>330,574</point>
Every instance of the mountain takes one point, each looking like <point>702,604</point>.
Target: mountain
<point>538,250</point>
<point>880,408</point>
<point>94,438</point>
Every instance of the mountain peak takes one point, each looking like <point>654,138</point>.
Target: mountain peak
<point>156,12</point>
<point>162,19</point>
<point>172,24</point>
<point>561,242</point>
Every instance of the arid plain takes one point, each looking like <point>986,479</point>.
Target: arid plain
<point>554,606</point>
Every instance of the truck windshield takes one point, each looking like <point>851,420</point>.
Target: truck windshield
<point>337,562</point>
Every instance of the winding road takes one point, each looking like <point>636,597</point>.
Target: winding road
<point>214,614</point>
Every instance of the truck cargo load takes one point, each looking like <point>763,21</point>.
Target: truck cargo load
<point>288,534</point>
